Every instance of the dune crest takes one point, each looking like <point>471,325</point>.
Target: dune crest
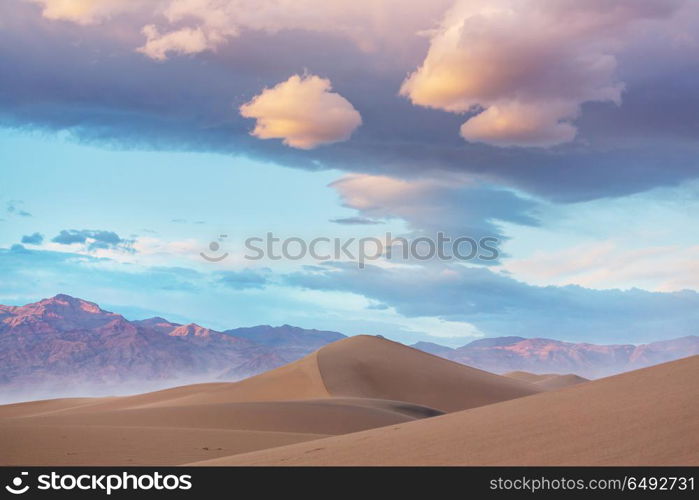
<point>365,366</point>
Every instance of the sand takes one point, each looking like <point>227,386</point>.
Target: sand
<point>84,434</point>
<point>548,381</point>
<point>373,367</point>
<point>644,417</point>
<point>369,401</point>
<point>37,445</point>
<point>352,385</point>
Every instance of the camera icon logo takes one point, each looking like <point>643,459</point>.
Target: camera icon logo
<point>16,487</point>
<point>214,246</point>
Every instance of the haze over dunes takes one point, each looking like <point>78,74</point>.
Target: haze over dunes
<point>645,417</point>
<point>346,387</point>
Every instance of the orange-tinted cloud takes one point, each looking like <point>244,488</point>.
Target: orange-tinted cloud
<point>303,112</point>
<point>524,67</point>
<point>84,11</point>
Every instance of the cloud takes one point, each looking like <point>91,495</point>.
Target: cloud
<point>14,207</point>
<point>499,305</point>
<point>38,273</point>
<point>17,248</point>
<point>243,280</point>
<point>607,264</point>
<point>303,112</point>
<point>523,124</point>
<point>368,23</point>
<point>356,221</point>
<point>455,207</point>
<point>524,68</point>
<point>33,239</point>
<point>85,11</point>
<point>184,103</point>
<point>94,239</point>
<point>183,41</point>
<point>210,24</point>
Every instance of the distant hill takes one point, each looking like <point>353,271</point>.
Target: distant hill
<point>541,355</point>
<point>289,342</point>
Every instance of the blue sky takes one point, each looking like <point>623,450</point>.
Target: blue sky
<point>142,146</point>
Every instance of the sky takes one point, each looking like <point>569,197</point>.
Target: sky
<point>136,135</point>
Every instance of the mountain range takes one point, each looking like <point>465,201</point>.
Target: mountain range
<point>65,346</point>
<point>539,355</point>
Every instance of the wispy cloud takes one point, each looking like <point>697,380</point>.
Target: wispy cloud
<point>14,207</point>
<point>356,221</point>
<point>245,279</point>
<point>607,264</point>
<point>456,207</point>
<point>93,239</point>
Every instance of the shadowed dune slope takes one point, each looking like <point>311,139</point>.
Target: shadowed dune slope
<point>316,416</point>
<point>645,417</point>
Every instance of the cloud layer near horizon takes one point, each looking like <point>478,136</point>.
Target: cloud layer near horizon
<point>495,304</point>
<point>501,306</point>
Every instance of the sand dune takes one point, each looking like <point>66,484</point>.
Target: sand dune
<point>372,367</point>
<point>349,386</point>
<point>644,417</point>
<point>360,367</point>
<point>560,381</point>
<point>548,381</point>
